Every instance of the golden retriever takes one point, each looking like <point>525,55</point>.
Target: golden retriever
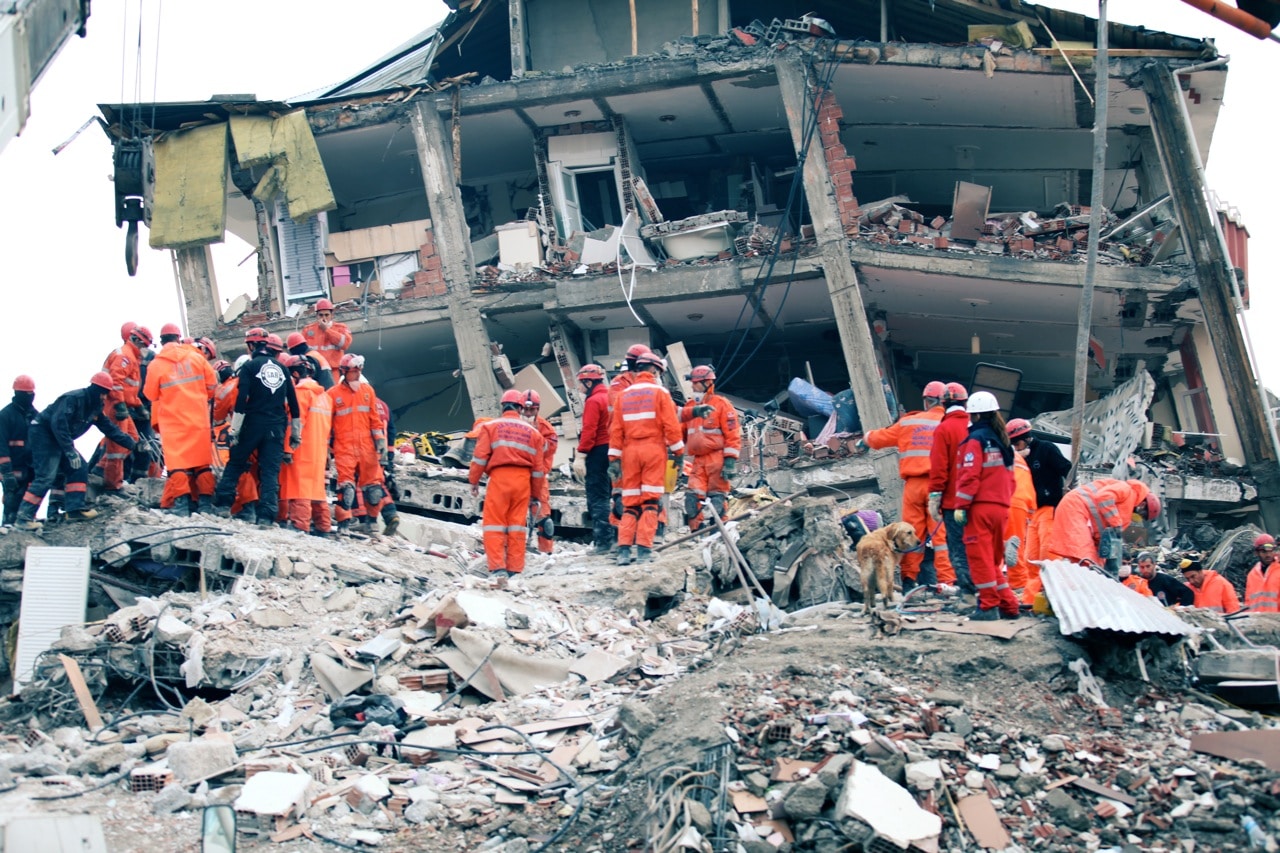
<point>879,554</point>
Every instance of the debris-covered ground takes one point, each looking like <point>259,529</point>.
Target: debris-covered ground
<point>375,692</point>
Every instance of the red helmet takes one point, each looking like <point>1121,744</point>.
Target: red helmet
<point>290,361</point>
<point>295,339</point>
<point>591,372</point>
<point>702,373</point>
<point>24,383</point>
<point>956,393</point>
<point>637,350</point>
<point>256,335</point>
<point>207,347</point>
<point>102,379</point>
<point>324,305</point>
<point>1153,506</point>
<point>1266,539</point>
<point>652,359</point>
<point>141,335</point>
<point>219,364</point>
<point>531,400</point>
<point>170,329</point>
<point>1017,428</point>
<point>935,390</point>
<point>351,361</point>
<point>274,344</point>
<point>126,329</point>
<point>511,397</point>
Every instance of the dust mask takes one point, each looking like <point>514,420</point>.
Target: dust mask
<point>1024,452</point>
<point>698,395</point>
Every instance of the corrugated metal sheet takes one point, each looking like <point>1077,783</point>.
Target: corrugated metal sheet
<point>55,587</point>
<point>1084,599</point>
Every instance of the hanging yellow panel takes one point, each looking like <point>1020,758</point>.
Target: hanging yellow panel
<point>190,204</point>
<point>296,170</point>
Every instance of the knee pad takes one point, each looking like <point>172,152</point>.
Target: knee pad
<point>692,506</point>
<point>720,503</point>
<point>650,506</point>
<point>373,495</point>
<point>347,495</point>
<point>633,511</point>
<point>617,505</point>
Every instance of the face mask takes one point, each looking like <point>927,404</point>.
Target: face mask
<point>528,417</point>
<point>1024,452</point>
<point>354,382</point>
<point>698,395</point>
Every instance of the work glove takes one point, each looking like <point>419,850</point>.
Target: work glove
<point>140,414</point>
<point>615,470</point>
<point>580,468</point>
<point>73,460</point>
<point>961,516</point>
<point>288,457</point>
<point>674,455</point>
<point>1011,549</point>
<point>380,445</point>
<point>120,412</point>
<point>860,446</point>
<point>233,434</point>
<point>702,410</point>
<point>935,506</point>
<point>730,469</point>
<point>535,508</point>
<point>295,433</point>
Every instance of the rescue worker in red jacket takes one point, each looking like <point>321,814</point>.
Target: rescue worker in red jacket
<point>15,450</point>
<point>540,504</point>
<point>644,431</point>
<point>1262,586</point>
<point>331,340</point>
<point>508,453</point>
<point>984,489</point>
<point>619,384</point>
<point>951,431</point>
<point>1213,591</point>
<point>1021,508</point>
<point>359,445</point>
<point>912,435</point>
<point>593,454</point>
<point>124,364</point>
<point>713,438</point>
<point>180,384</point>
<point>54,457</point>
<point>307,466</point>
<point>1101,508</point>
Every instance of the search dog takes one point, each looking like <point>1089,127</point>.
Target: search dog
<point>879,554</point>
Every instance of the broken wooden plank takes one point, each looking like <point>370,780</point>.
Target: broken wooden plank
<point>983,822</point>
<point>1104,791</point>
<point>83,696</point>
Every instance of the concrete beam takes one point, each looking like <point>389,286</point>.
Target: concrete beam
<point>519,37</point>
<point>444,200</point>
<point>197,284</point>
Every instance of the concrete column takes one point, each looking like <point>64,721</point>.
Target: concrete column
<point>198,286</point>
<point>837,266</point>
<point>519,37</point>
<point>453,243</point>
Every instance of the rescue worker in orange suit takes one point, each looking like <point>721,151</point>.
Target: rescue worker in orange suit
<point>951,431</point>
<point>644,432</point>
<point>331,340</point>
<point>713,438</point>
<point>1261,587</point>
<point>207,349</point>
<point>359,446</point>
<point>320,373</point>
<point>984,489</point>
<point>54,457</point>
<point>122,405</point>
<point>509,453</point>
<point>1213,591</point>
<point>1021,507</point>
<point>619,384</point>
<point>266,409</point>
<point>224,403</point>
<point>307,466</point>
<point>540,504</point>
<point>180,384</point>
<point>15,451</point>
<point>592,462</point>
<point>1095,510</point>
<point>912,435</point>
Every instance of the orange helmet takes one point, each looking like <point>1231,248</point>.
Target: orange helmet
<point>1017,428</point>
<point>126,329</point>
<point>274,344</point>
<point>141,335</point>
<point>207,347</point>
<point>1153,506</point>
<point>637,350</point>
<point>26,383</point>
<point>511,397</point>
<point>591,372</point>
<point>256,335</point>
<point>652,359</point>
<point>702,373</point>
<point>170,329</point>
<point>531,400</point>
<point>935,390</point>
<point>351,361</point>
<point>324,305</point>
<point>956,393</point>
<point>291,361</point>
<point>102,379</point>
<point>295,339</point>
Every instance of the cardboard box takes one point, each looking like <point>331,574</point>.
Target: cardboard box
<point>365,243</point>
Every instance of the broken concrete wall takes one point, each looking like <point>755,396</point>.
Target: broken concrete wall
<point>567,32</point>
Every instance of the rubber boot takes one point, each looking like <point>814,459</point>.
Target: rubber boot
<point>181,507</point>
<point>390,519</point>
<point>343,526</point>
<point>980,615</point>
<point>643,554</point>
<point>205,504</point>
<point>27,517</point>
<point>624,556</point>
<point>82,514</point>
<point>908,584</point>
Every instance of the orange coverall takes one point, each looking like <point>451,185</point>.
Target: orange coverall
<point>1137,583</point>
<point>1216,593</point>
<point>542,489</point>
<point>912,434</point>
<point>1084,511</point>
<point>620,383</point>
<point>644,428</point>
<point>331,345</point>
<point>508,451</point>
<point>125,366</point>
<point>305,476</point>
<point>1262,588</point>
<point>224,404</point>
<point>357,428</point>
<point>1020,511</point>
<point>708,442</point>
<point>180,384</point>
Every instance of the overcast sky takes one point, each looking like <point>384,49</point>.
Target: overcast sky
<point>66,285</point>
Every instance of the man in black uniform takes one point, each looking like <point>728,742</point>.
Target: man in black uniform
<point>258,423</point>
<point>15,454</point>
<point>53,451</point>
<point>1049,469</point>
<point>1167,589</point>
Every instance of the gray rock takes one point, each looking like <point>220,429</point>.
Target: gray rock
<point>344,599</point>
<point>1053,743</point>
<point>961,724</point>
<point>273,617</point>
<point>700,816</point>
<point>1007,772</point>
<point>1026,785</point>
<point>637,720</point>
<point>197,759</point>
<point>1064,809</point>
<point>944,697</point>
<point>1193,712</point>
<point>284,567</point>
<point>301,570</point>
<point>757,782</point>
<point>171,629</point>
<point>806,799</point>
<point>424,811</point>
<point>172,799</point>
<point>100,760</point>
<point>834,771</point>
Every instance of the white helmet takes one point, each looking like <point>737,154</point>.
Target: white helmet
<point>982,401</point>
<point>241,362</point>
